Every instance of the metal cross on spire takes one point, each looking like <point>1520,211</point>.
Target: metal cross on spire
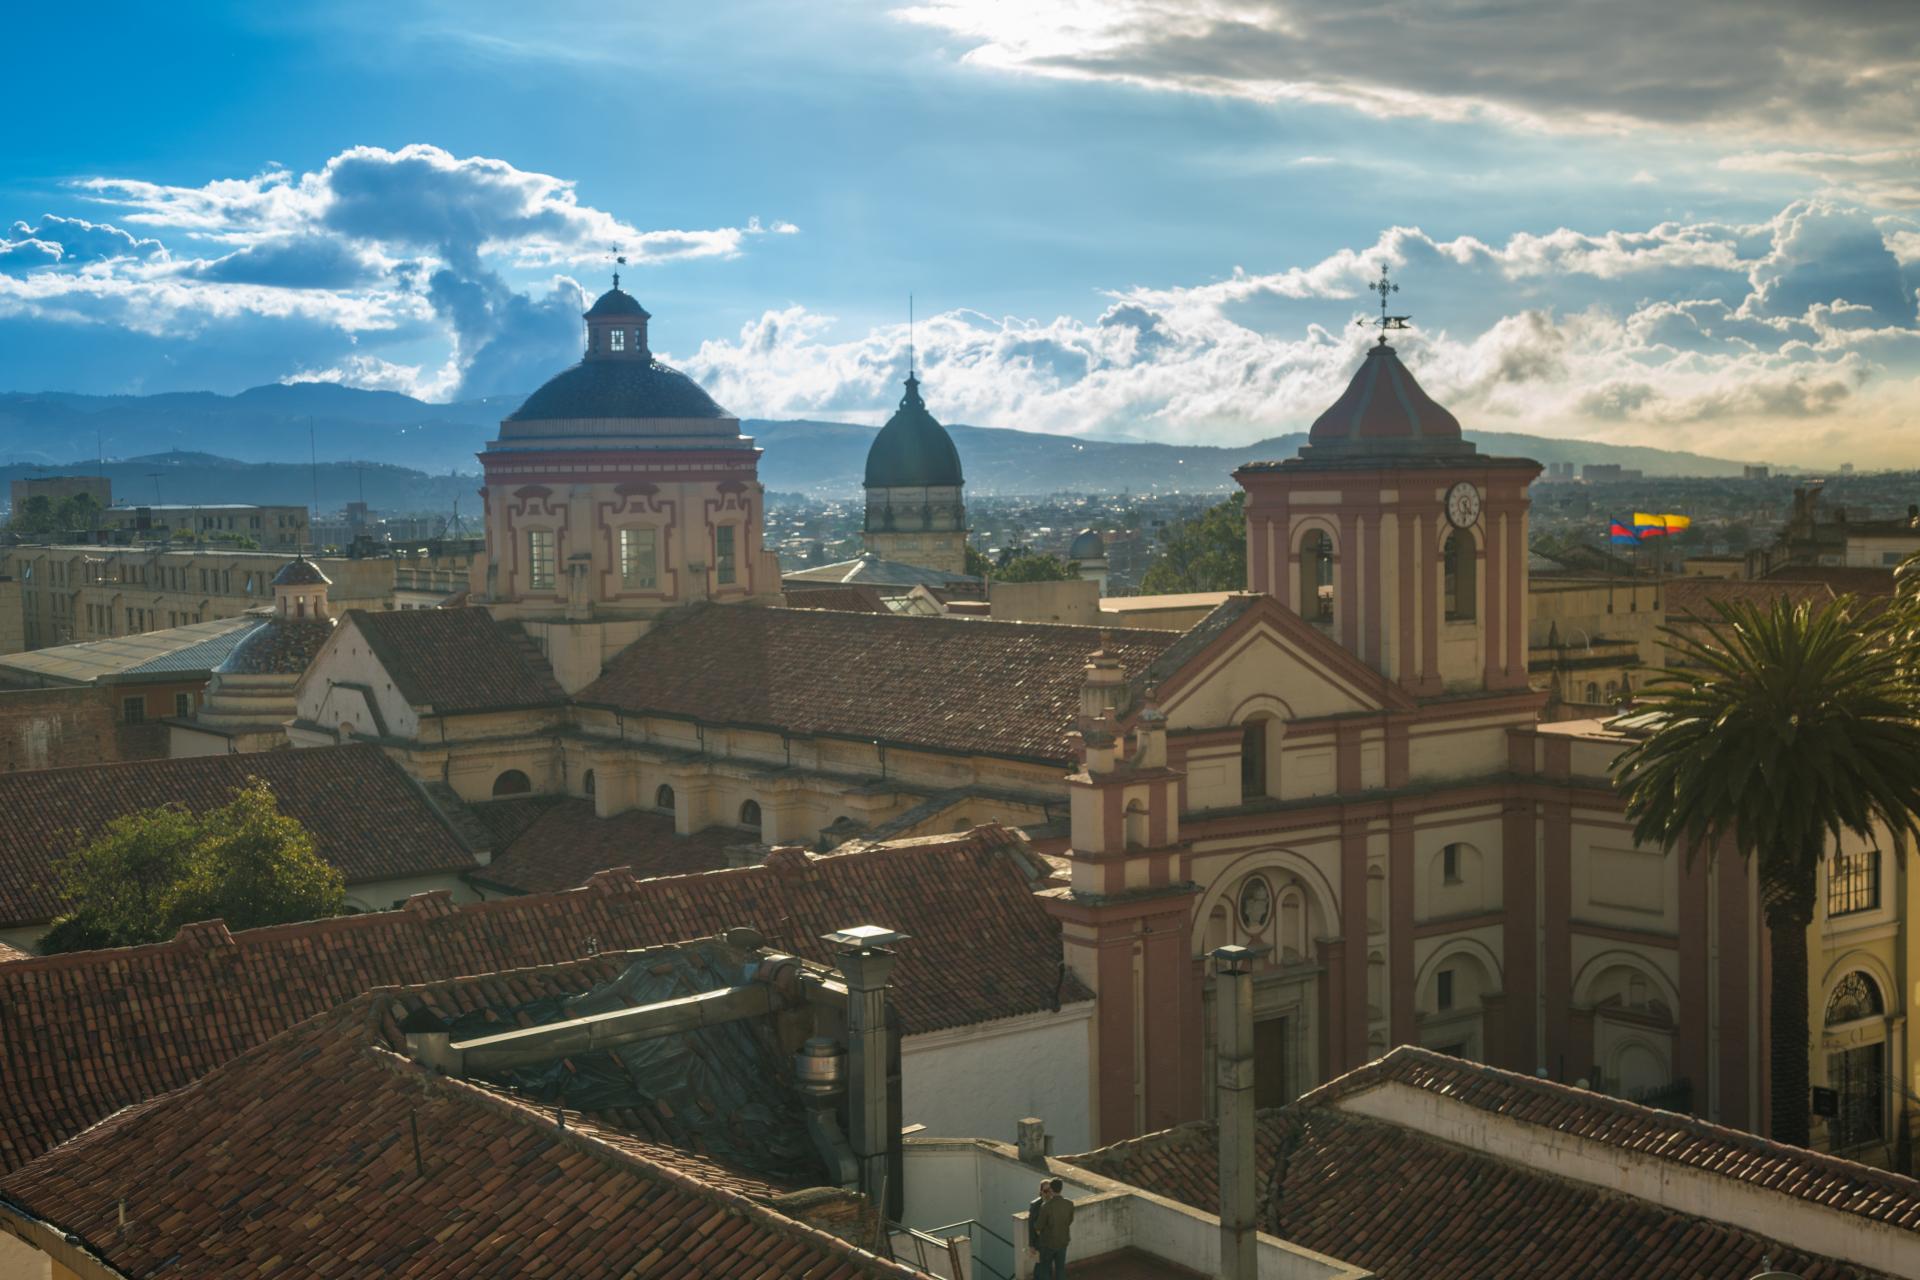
<point>1383,287</point>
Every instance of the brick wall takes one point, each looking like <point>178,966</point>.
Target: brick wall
<point>48,728</point>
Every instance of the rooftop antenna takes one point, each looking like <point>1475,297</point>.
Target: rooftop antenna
<point>313,463</point>
<point>1386,322</point>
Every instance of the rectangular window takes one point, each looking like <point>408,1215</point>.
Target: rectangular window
<point>616,340</point>
<point>183,704</point>
<point>1853,882</point>
<point>1253,759</point>
<point>637,559</point>
<point>723,554</point>
<point>1443,990</point>
<point>1450,864</point>
<point>1859,1076</point>
<point>540,561</point>
<point>134,710</point>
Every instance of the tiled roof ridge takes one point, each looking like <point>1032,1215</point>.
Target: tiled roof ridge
<point>579,1133</point>
<point>942,619</point>
<point>187,764</point>
<point>425,907</point>
<point>1400,1065</point>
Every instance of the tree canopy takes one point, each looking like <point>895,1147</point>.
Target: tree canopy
<point>41,515</point>
<point>150,872</point>
<point>1031,566</point>
<point>1206,553</point>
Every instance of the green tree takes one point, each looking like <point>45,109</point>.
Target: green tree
<point>1030,566</point>
<point>979,563</point>
<point>1206,553</point>
<point>1788,726</point>
<point>34,516</point>
<point>148,873</point>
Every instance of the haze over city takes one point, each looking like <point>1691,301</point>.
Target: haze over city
<point>1120,221</point>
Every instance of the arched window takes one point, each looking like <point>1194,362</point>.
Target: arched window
<point>1253,758</point>
<point>663,798</point>
<point>1316,577</point>
<point>1136,825</point>
<point>586,782</point>
<point>1857,997</point>
<point>750,814</point>
<point>1461,564</point>
<point>1593,693</point>
<point>512,783</point>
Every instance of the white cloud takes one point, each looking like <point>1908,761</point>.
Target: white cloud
<point>1807,351</point>
<point>1812,88</point>
<point>372,240</point>
<point>374,374</point>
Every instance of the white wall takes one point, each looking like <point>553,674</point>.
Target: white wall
<point>980,1081</point>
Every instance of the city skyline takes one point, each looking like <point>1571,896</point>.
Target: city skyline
<point>1113,225</point>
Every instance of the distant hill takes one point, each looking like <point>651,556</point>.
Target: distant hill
<point>260,438</point>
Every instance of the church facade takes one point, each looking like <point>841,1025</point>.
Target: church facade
<point>1343,766</point>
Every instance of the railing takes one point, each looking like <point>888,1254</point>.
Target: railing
<point>967,1227</point>
<point>926,1252</point>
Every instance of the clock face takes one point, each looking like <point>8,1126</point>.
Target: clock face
<point>1463,505</point>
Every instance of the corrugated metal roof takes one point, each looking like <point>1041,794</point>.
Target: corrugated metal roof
<point>198,646</point>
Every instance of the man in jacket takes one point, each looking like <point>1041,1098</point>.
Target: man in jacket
<point>1049,1229</point>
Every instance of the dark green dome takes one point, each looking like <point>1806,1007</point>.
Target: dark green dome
<point>912,450</point>
<point>616,302</point>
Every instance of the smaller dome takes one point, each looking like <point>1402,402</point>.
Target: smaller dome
<point>301,572</point>
<point>616,302</point>
<point>283,647</point>
<point>913,450</point>
<point>1087,545</point>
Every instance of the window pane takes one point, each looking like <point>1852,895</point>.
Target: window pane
<point>616,340</point>
<point>723,566</point>
<point>1853,882</point>
<point>637,559</point>
<point>540,559</point>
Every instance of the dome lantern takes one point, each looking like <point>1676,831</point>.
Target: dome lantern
<point>617,326</point>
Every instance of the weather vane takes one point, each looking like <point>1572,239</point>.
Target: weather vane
<point>1383,287</point>
<point>620,259</point>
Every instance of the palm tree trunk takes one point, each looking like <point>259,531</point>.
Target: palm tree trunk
<point>1787,899</point>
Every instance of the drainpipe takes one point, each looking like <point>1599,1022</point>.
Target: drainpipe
<point>1233,1074</point>
<point>866,963</point>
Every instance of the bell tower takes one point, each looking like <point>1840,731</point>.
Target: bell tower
<point>1396,537</point>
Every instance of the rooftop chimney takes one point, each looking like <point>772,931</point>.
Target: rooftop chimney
<point>866,963</point>
<point>1233,1058</point>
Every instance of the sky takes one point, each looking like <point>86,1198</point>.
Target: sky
<point>1694,226</point>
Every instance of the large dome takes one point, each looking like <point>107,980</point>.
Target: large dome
<point>618,389</point>
<point>912,450</point>
<point>1383,410</point>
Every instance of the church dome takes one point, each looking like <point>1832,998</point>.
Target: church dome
<point>1087,545</point>
<point>300,572</point>
<point>618,376</point>
<point>618,389</point>
<point>1383,410</point>
<point>913,450</point>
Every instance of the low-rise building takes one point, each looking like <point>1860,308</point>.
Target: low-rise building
<point>281,528</point>
<point>68,594</point>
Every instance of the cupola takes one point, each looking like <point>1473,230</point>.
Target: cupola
<point>913,451</point>
<point>617,326</point>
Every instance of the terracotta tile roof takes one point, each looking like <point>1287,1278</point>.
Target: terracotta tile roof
<point>367,817</point>
<point>1826,1180</point>
<point>559,843</point>
<point>972,685</point>
<point>856,597</point>
<point>1455,1211</point>
<point>299,1159</point>
<point>85,1034</point>
<point>1859,580</point>
<point>458,660</point>
<point>1694,597</point>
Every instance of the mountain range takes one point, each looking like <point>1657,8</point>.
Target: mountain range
<point>409,454</point>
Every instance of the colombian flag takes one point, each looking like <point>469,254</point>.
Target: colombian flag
<point>1619,534</point>
<point>1652,526</point>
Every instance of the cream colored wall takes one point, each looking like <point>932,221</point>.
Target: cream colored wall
<point>21,1261</point>
<point>348,659</point>
<point>1872,552</point>
<point>1076,602</point>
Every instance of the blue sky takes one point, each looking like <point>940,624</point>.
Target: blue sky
<point>1683,225</point>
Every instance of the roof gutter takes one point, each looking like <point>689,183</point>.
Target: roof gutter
<point>64,1247</point>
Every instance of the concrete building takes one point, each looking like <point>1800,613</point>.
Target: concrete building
<point>916,509</point>
<point>68,594</point>
<point>276,528</point>
<point>250,699</point>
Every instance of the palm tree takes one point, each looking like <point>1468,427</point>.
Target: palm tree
<point>1779,729</point>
